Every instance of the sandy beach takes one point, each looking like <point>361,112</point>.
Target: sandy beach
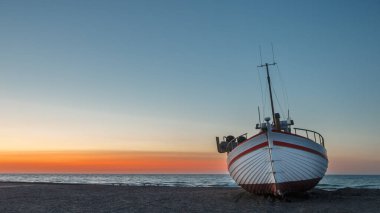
<point>41,197</point>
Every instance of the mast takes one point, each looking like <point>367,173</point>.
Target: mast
<point>266,65</point>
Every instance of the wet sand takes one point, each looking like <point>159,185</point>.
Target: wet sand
<point>40,197</point>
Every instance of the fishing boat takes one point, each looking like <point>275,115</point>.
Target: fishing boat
<point>279,159</point>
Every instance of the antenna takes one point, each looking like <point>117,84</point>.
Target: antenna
<point>258,109</point>
<point>266,65</point>
<point>272,53</point>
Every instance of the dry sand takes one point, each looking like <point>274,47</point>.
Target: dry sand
<point>37,197</point>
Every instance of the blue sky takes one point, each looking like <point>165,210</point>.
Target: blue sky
<point>171,75</point>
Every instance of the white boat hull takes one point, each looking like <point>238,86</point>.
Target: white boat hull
<point>277,163</point>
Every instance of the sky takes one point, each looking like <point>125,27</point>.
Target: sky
<point>145,86</point>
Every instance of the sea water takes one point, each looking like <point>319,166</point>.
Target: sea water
<point>329,182</point>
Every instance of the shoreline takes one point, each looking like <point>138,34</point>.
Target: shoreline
<point>63,197</point>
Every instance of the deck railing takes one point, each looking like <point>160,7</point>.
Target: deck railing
<point>312,135</point>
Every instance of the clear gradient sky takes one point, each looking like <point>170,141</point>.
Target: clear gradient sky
<point>145,86</point>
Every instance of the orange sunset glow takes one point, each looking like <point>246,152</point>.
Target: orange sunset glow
<point>139,162</point>
<point>110,162</point>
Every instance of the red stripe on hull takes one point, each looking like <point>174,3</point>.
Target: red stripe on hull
<point>281,188</point>
<point>293,146</point>
<point>248,151</point>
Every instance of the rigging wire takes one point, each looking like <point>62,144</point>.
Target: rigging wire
<point>262,93</point>
<point>278,102</point>
<point>282,84</point>
<point>272,53</point>
<point>284,99</point>
<point>266,98</point>
<point>283,87</point>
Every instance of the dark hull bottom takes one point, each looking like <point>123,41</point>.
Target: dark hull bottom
<point>280,189</point>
